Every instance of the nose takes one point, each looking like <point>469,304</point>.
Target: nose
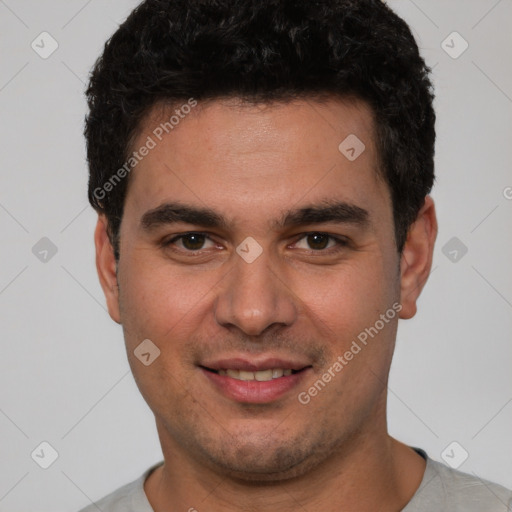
<point>253,297</point>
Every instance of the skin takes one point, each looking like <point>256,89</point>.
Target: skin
<point>252,163</point>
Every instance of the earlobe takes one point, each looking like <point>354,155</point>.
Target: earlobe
<point>106,268</point>
<point>416,260</point>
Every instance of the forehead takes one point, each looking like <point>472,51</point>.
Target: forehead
<point>231,124</point>
<point>237,156</point>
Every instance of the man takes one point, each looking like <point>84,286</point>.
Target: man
<point>261,171</point>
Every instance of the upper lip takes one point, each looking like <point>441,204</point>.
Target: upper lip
<point>241,363</point>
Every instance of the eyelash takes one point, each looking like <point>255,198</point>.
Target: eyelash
<point>341,242</point>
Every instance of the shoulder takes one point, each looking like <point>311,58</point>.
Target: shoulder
<point>473,489</point>
<point>118,501</point>
<point>129,497</point>
<point>452,490</point>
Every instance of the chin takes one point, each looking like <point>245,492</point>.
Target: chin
<point>261,462</point>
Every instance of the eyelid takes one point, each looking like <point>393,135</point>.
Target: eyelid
<point>174,238</point>
<point>341,241</point>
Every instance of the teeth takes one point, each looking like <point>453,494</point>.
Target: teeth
<point>260,376</point>
<point>246,375</point>
<point>263,375</point>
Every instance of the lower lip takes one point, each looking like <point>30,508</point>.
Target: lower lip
<point>253,391</point>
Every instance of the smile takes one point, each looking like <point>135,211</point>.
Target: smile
<point>256,387</point>
<point>260,376</point>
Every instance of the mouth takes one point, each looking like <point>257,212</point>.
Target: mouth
<point>255,383</point>
<point>260,375</point>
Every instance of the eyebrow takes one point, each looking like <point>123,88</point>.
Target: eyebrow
<point>328,211</point>
<point>338,212</point>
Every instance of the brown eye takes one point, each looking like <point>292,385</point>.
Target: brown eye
<point>321,242</point>
<point>318,241</point>
<point>190,242</point>
<point>193,241</point>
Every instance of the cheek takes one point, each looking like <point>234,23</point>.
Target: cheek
<point>161,304</point>
<point>348,298</point>
<point>159,300</point>
<point>345,309</point>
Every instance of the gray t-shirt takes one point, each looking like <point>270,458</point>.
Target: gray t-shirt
<point>442,489</point>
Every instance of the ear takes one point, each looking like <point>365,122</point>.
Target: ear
<point>416,260</point>
<point>106,267</point>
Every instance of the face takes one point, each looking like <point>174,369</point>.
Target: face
<point>251,243</point>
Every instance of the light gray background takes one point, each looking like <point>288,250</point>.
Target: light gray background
<point>64,376</point>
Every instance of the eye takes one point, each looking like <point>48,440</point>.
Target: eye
<point>191,242</point>
<point>320,242</point>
